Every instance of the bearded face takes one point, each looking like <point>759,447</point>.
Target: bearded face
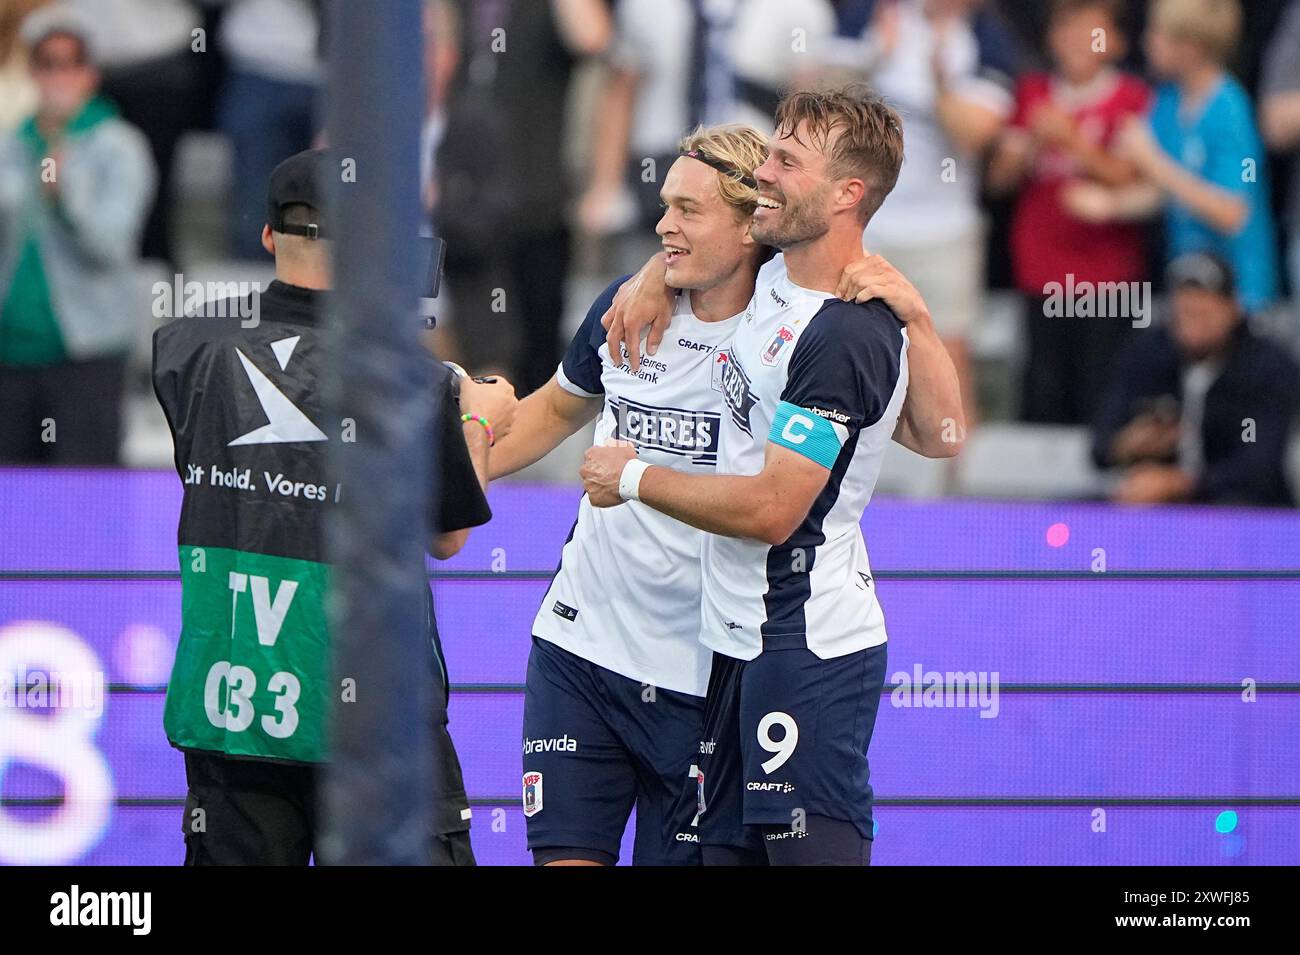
<point>784,219</point>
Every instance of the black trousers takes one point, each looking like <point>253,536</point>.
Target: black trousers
<point>62,414</point>
<point>539,269</point>
<point>1067,364</point>
<point>159,98</point>
<point>532,270</point>
<point>256,812</point>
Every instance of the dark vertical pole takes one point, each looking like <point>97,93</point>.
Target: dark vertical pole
<point>378,786</point>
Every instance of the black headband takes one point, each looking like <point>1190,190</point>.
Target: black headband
<point>722,167</point>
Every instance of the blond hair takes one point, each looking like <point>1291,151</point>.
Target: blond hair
<point>740,148</point>
<point>1214,25</point>
<point>870,141</point>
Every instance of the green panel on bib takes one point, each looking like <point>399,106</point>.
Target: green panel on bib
<point>252,670</point>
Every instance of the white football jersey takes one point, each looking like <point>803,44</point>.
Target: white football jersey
<point>627,595</point>
<point>826,379</point>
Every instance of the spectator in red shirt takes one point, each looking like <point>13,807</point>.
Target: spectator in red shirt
<point>1060,133</point>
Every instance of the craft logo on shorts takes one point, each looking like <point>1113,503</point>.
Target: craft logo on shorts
<point>532,793</point>
<point>730,379</point>
<point>764,787</point>
<point>693,434</point>
<point>772,353</point>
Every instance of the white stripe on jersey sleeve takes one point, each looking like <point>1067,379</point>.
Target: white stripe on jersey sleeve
<point>569,386</point>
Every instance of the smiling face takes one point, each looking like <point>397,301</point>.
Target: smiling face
<point>795,199</point>
<point>706,238</point>
<point>835,157</point>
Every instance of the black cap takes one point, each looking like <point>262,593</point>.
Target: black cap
<point>300,180</point>
<point>1203,270</point>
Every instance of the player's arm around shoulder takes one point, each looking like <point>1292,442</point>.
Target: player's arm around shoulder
<point>643,303</point>
<point>933,421</point>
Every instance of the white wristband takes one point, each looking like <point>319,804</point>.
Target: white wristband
<point>629,482</point>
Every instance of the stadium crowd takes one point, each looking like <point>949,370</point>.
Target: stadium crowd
<point>1126,173</point>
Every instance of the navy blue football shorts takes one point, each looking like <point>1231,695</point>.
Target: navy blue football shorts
<point>597,743</point>
<point>785,741</point>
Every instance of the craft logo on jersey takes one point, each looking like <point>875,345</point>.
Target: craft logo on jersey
<point>532,793</point>
<point>772,353</point>
<point>286,423</point>
<point>730,379</point>
<point>674,430</point>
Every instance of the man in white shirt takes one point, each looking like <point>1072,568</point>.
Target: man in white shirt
<point>813,388</point>
<point>614,703</point>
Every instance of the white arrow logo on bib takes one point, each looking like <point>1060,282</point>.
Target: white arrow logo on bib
<point>286,422</point>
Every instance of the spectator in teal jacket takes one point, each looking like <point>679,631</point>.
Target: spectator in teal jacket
<point>1199,154</point>
<point>76,183</point>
